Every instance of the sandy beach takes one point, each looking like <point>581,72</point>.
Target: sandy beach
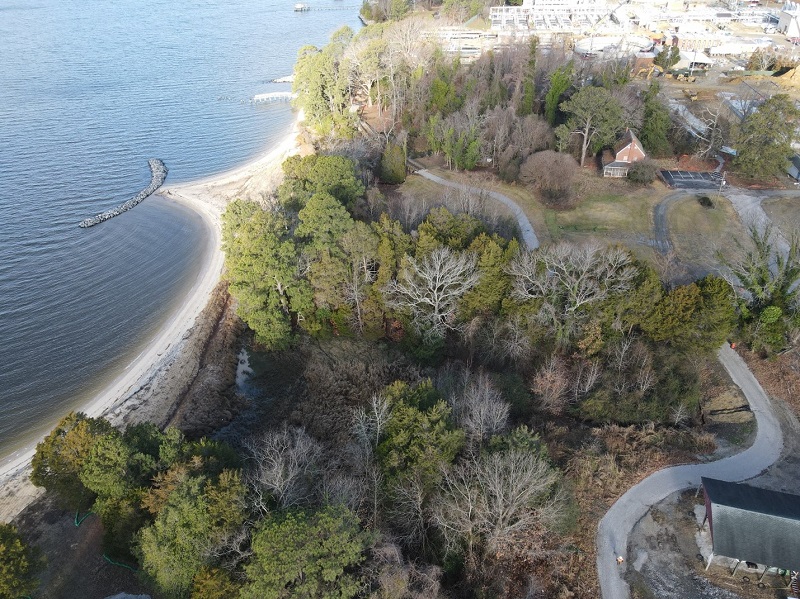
<point>146,389</point>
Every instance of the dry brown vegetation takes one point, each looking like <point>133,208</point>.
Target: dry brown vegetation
<point>779,375</point>
<point>340,377</point>
<point>601,464</point>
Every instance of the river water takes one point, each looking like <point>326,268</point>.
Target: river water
<point>89,90</point>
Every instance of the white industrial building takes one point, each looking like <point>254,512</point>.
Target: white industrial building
<point>789,20</point>
<point>556,15</point>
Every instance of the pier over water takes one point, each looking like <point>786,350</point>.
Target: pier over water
<point>158,174</point>
<point>274,97</point>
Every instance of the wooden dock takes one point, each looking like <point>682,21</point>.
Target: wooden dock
<point>273,97</point>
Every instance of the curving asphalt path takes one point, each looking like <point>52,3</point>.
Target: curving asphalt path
<point>661,240</point>
<point>525,226</point>
<point>616,525</point>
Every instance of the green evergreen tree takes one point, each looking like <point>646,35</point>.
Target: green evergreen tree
<point>197,514</point>
<point>60,457</point>
<point>262,267</point>
<point>393,164</point>
<point>306,554</point>
<point>764,138</point>
<point>19,565</point>
<point>596,116</point>
<point>322,85</point>
<point>322,222</point>
<point>560,82</point>
<point>668,57</point>
<point>418,438</point>
<point>526,105</point>
<point>656,123</point>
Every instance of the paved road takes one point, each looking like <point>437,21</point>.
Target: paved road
<point>525,226</point>
<point>661,240</point>
<point>616,525</point>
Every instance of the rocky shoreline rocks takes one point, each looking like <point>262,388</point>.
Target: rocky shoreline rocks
<point>158,174</point>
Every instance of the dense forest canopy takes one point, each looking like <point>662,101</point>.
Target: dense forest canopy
<point>437,351</point>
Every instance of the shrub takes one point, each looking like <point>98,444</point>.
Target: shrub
<point>18,564</point>
<point>551,173</point>
<point>643,172</point>
<point>705,202</point>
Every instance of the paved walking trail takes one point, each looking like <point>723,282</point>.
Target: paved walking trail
<point>661,240</point>
<point>616,525</point>
<point>525,226</point>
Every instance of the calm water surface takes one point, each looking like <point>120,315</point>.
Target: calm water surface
<point>89,90</point>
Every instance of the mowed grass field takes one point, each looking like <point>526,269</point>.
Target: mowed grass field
<point>614,211</point>
<point>699,234</point>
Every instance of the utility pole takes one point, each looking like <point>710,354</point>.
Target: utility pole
<point>721,184</point>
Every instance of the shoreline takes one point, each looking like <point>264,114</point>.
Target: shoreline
<point>208,197</point>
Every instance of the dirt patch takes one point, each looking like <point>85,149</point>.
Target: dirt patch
<point>687,162</point>
<point>725,411</point>
<point>75,565</point>
<point>667,550</point>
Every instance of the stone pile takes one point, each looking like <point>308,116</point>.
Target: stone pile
<point>158,173</point>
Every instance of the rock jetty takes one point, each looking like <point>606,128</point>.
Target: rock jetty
<point>158,173</point>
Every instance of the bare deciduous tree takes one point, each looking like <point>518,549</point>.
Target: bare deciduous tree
<point>483,501</point>
<point>430,289</point>
<point>285,466</point>
<point>479,409</point>
<point>233,549</point>
<point>569,278</point>
<point>369,422</point>
<point>710,136</point>
<point>409,511</point>
<point>550,384</point>
<point>587,373</point>
<point>399,579</point>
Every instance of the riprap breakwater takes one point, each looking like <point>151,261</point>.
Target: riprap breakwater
<point>158,174</point>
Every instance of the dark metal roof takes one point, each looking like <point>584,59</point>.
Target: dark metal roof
<point>753,524</point>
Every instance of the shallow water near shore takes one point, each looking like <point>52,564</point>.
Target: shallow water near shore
<point>88,92</point>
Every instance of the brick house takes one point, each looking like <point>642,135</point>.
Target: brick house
<point>617,162</point>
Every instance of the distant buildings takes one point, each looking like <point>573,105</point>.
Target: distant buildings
<point>549,15</point>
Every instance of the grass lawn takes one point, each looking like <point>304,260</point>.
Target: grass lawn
<point>698,233</point>
<point>785,213</point>
<point>610,210</point>
<point>613,211</point>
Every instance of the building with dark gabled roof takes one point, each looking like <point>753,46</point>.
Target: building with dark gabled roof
<point>752,524</point>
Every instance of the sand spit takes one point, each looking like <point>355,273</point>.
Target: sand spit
<point>150,386</point>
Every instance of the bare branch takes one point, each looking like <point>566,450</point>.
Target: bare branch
<point>431,288</point>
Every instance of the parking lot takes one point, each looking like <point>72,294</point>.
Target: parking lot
<point>691,180</point>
